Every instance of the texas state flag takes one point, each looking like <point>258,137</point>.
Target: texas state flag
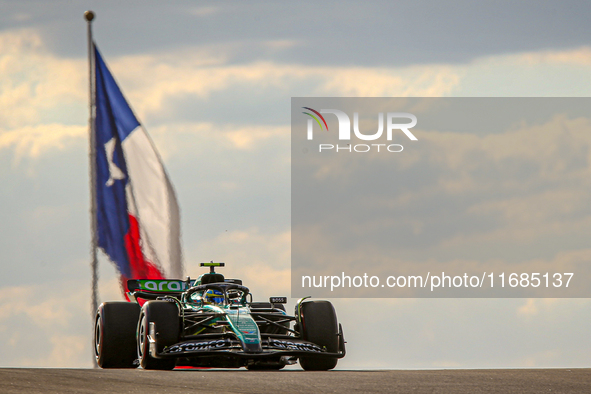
<point>138,224</point>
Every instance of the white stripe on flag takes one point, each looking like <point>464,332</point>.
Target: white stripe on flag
<point>154,202</point>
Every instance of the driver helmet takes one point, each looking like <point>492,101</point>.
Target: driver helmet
<point>213,297</point>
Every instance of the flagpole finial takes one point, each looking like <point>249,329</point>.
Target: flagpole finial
<point>89,15</point>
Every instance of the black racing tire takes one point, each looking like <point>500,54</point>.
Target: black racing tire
<point>114,334</point>
<point>320,326</point>
<point>165,316</point>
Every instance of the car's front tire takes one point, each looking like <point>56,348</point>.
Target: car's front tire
<point>319,326</point>
<point>114,334</point>
<point>165,316</point>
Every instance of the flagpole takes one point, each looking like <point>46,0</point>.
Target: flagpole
<point>89,16</point>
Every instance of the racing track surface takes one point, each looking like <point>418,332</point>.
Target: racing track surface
<point>20,380</point>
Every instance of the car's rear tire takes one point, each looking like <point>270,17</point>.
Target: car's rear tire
<point>114,334</point>
<point>319,326</point>
<point>165,316</point>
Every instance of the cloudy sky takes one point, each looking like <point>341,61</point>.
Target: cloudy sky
<point>492,185</point>
<point>212,84</point>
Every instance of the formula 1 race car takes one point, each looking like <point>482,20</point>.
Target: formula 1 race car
<point>213,322</point>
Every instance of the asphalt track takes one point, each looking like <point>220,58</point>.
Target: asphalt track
<point>20,380</point>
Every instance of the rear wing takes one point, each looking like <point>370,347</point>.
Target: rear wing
<point>162,287</point>
<point>159,285</point>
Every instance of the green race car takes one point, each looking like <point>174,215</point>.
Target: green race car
<point>213,322</point>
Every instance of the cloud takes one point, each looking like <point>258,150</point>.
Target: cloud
<point>509,196</point>
<point>282,44</point>
<point>44,97</point>
<point>36,85</point>
<point>531,178</point>
<point>204,11</point>
<point>40,310</point>
<point>261,260</point>
<point>577,56</point>
<point>419,81</point>
<point>32,141</point>
<point>45,325</point>
<point>187,76</point>
<point>43,94</point>
<point>67,351</point>
<point>437,333</point>
<point>49,324</point>
<point>171,139</point>
<point>21,17</point>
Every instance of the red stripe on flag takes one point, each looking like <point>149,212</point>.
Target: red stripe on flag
<point>139,266</point>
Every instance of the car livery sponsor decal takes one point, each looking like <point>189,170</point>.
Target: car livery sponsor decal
<point>162,285</point>
<point>198,346</point>
<point>289,345</point>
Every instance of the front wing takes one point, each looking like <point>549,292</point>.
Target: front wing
<point>271,348</point>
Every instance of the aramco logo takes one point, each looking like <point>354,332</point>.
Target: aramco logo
<point>392,124</point>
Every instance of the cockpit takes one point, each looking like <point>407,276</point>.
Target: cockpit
<point>213,289</point>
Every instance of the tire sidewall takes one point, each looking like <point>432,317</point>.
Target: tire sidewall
<point>98,342</point>
<point>142,341</point>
